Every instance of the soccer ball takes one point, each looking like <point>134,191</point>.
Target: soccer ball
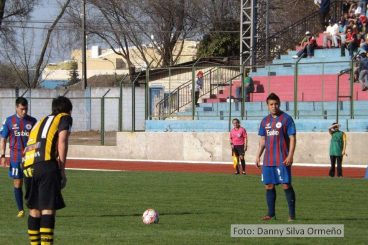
<point>150,216</point>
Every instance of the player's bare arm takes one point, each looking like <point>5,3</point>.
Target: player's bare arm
<point>290,158</point>
<point>261,148</point>
<point>332,128</point>
<point>63,151</point>
<point>3,148</point>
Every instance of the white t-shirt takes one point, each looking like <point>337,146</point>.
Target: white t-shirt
<point>332,30</point>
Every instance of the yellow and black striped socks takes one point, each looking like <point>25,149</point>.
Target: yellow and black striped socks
<point>47,229</point>
<point>34,230</point>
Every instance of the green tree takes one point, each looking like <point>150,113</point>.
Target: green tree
<point>219,45</point>
<point>73,76</point>
<point>220,26</point>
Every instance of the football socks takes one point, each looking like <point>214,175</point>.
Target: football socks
<point>271,200</point>
<point>34,230</point>
<point>18,194</point>
<point>290,198</point>
<point>243,164</point>
<point>47,229</point>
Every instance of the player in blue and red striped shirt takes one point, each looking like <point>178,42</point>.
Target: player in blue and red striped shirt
<point>16,128</point>
<point>278,138</point>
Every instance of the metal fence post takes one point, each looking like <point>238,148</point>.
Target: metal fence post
<point>147,97</point>
<point>121,106</point>
<point>243,94</point>
<point>230,98</point>
<point>193,92</point>
<point>323,88</point>
<point>351,89</point>
<point>120,126</point>
<point>296,87</point>
<point>133,100</point>
<point>103,118</point>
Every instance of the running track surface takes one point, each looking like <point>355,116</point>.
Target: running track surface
<point>199,168</point>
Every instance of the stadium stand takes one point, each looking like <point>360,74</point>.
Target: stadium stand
<point>316,99</point>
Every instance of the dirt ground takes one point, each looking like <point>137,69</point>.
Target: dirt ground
<point>91,138</point>
<point>198,167</point>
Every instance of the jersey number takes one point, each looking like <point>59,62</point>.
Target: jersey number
<point>46,127</point>
<point>14,172</point>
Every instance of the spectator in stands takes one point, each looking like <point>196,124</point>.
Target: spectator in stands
<point>331,34</point>
<point>337,149</point>
<point>248,86</point>
<point>363,71</point>
<point>363,6</point>
<point>358,11</point>
<point>198,87</point>
<point>359,26</point>
<point>324,10</point>
<point>364,46</point>
<point>342,31</point>
<point>352,9</point>
<point>308,44</point>
<point>351,43</point>
<point>356,68</point>
<point>362,22</point>
<point>351,23</point>
<point>346,6</point>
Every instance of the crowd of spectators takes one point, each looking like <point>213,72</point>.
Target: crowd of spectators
<point>348,32</point>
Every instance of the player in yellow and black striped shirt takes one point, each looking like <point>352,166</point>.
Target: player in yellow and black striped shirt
<point>44,168</point>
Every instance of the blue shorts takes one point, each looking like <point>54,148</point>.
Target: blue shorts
<point>276,175</point>
<point>15,170</point>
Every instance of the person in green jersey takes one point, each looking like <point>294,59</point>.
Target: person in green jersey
<point>337,149</point>
<point>248,86</point>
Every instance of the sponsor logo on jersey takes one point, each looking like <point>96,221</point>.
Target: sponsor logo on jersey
<point>21,133</point>
<point>31,155</point>
<point>272,132</point>
<point>15,126</point>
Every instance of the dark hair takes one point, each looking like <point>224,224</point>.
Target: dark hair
<point>61,104</point>
<point>273,96</point>
<point>236,119</point>
<point>21,101</point>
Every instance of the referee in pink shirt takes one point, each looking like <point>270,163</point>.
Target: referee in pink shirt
<point>238,142</point>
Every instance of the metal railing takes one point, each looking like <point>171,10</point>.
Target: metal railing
<point>306,91</point>
<point>182,96</point>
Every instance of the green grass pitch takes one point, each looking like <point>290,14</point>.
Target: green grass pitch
<point>195,208</point>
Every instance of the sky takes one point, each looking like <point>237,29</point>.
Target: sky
<point>47,10</point>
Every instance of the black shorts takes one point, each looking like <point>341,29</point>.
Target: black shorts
<point>43,190</point>
<point>239,150</point>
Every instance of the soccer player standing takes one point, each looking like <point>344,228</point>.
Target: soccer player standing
<point>44,166</point>
<point>238,142</point>
<point>16,128</point>
<point>278,138</point>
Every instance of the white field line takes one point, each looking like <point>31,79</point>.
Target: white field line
<point>97,169</point>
